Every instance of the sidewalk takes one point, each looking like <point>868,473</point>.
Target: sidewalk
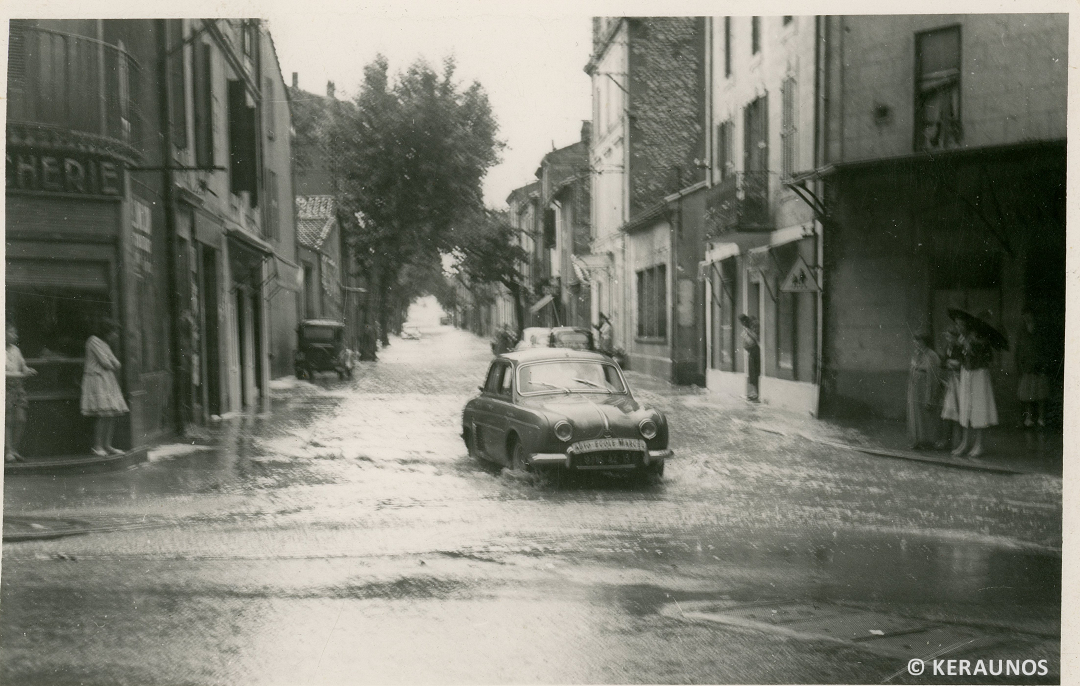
<point>1007,450</point>
<point>76,464</point>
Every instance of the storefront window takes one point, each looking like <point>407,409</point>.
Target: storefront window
<point>54,323</point>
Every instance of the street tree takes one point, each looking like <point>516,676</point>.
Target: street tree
<point>413,153</point>
<point>489,251</point>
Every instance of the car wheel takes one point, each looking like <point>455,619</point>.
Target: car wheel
<point>518,461</point>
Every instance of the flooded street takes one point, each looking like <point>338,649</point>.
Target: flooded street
<point>348,538</point>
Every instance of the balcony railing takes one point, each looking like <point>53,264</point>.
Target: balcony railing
<point>69,83</point>
<point>739,203</point>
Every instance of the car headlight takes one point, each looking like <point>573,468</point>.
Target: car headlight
<point>563,430</point>
<point>647,427</point>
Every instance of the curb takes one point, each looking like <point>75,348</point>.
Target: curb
<point>18,529</point>
<point>78,465</point>
<point>904,454</point>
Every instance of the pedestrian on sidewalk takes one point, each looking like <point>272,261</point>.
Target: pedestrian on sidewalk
<point>101,395</point>
<point>1031,364</point>
<point>978,410</point>
<point>925,384</point>
<point>950,403</point>
<point>16,405</point>
<point>752,342</point>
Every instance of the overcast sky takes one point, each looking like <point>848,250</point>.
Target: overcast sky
<point>531,66</point>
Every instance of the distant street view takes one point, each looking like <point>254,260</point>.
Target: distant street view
<point>404,348</point>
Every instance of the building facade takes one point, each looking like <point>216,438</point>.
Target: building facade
<point>759,230</point>
<point>943,166</point>
<point>564,189</point>
<point>647,162</point>
<point>318,241</point>
<point>136,165</point>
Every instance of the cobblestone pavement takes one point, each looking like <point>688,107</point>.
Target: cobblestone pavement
<point>349,538</point>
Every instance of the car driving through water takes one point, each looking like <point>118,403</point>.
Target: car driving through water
<point>563,409</point>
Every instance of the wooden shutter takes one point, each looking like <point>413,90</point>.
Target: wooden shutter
<point>243,169</point>
<point>204,104</point>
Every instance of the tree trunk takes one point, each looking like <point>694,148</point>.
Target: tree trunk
<point>368,337</point>
<point>519,309</point>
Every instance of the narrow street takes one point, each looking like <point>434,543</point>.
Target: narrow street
<point>348,538</point>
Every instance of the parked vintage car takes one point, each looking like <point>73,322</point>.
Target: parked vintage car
<point>558,337</point>
<point>410,333</point>
<point>563,409</point>
<point>320,347</point>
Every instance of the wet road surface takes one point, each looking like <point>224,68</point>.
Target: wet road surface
<point>349,538</point>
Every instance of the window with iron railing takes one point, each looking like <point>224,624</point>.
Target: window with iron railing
<point>72,82</point>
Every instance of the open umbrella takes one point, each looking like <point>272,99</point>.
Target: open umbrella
<point>981,328</point>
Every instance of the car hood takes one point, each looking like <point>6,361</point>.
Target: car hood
<point>591,413</point>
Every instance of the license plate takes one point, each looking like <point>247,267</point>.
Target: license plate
<point>598,444</point>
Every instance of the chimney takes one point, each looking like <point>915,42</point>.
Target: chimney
<point>586,132</point>
<point>295,80</point>
<point>329,89</point>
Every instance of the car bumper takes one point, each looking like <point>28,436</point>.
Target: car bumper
<point>652,457</point>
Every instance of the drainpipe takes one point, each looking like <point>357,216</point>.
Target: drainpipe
<point>171,243</point>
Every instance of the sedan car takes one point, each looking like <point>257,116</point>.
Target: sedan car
<point>563,409</point>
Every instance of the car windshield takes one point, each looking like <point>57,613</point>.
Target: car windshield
<point>320,334</point>
<point>570,376</point>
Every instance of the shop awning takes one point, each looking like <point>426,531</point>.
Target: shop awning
<point>61,274</point>
<point>250,240</point>
<point>289,276</point>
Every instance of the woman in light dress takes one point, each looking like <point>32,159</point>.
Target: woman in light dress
<point>101,395</point>
<point>977,409</point>
<point>924,394</point>
<point>17,404</point>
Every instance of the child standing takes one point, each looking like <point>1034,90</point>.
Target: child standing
<point>101,396</point>
<point>16,404</point>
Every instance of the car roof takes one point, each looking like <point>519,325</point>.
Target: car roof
<point>321,322</point>
<point>564,329</point>
<point>539,354</point>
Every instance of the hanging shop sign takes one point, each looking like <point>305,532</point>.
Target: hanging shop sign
<point>28,170</point>
<point>800,279</point>
<point>142,244</point>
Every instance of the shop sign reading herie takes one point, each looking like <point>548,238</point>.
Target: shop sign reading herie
<point>800,279</point>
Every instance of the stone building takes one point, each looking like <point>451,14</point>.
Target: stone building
<point>943,164</point>
<point>647,161</point>
<point>147,163</point>
<point>759,231</point>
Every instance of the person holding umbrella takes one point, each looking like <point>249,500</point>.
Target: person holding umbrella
<point>977,408</point>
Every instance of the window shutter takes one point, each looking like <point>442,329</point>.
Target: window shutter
<point>177,87</point>
<point>242,160</point>
<point>204,105</point>
<point>549,228</point>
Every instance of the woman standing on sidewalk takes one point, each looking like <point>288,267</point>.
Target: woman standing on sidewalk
<point>950,405</point>
<point>924,391</point>
<point>101,396</point>
<point>16,402</point>
<point>977,407</point>
<point>751,341</point>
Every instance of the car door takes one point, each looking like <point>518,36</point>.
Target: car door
<point>502,406</point>
<point>484,414</point>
